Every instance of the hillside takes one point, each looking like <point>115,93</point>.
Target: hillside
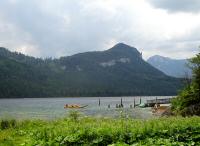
<point>119,71</point>
<point>171,67</point>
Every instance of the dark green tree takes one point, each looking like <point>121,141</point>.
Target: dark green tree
<point>188,101</point>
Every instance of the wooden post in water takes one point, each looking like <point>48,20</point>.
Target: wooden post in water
<point>156,100</point>
<point>121,103</point>
<point>140,100</point>
<point>99,102</point>
<point>117,106</point>
<point>134,103</point>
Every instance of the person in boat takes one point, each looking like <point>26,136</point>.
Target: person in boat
<point>66,105</point>
<point>72,106</point>
<point>76,105</point>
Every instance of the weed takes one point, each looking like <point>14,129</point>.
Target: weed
<point>102,131</point>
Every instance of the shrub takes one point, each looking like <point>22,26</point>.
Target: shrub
<point>188,101</point>
<point>5,124</point>
<point>74,115</point>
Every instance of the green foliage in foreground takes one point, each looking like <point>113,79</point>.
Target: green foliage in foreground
<point>94,131</point>
<point>188,101</point>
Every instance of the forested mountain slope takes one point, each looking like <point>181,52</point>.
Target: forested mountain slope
<point>119,71</point>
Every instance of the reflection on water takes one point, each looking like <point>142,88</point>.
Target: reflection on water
<point>50,108</point>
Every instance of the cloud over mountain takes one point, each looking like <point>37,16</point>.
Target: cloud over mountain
<point>57,28</point>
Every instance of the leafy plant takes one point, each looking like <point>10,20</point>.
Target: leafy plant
<point>74,115</point>
<point>188,101</point>
<point>5,124</point>
<point>104,131</point>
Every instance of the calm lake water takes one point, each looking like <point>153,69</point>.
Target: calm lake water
<point>51,108</point>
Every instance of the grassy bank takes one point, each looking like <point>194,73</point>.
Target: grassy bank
<point>94,131</point>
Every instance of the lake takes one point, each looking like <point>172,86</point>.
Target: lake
<point>51,108</point>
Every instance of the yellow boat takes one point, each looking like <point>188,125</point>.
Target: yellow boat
<point>74,106</point>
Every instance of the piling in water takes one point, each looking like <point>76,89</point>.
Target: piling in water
<point>117,106</point>
<point>121,105</point>
<point>99,102</point>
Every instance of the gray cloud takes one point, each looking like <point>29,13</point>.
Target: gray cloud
<point>61,29</point>
<point>65,27</point>
<point>177,5</point>
<point>84,30</point>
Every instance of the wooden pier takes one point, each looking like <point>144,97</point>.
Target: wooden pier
<point>151,103</point>
<point>148,103</point>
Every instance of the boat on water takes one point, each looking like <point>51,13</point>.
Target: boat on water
<point>74,106</point>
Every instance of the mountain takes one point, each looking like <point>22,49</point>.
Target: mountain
<point>171,67</point>
<point>119,71</point>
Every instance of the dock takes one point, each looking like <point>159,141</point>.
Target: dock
<point>147,103</point>
<point>151,103</point>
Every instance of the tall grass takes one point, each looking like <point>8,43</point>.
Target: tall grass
<point>103,131</point>
<point>5,124</point>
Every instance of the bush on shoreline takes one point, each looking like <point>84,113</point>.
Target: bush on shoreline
<point>188,101</point>
<point>103,131</point>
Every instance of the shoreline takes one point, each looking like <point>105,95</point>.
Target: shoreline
<point>134,96</point>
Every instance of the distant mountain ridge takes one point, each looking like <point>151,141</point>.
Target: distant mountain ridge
<point>118,71</point>
<point>171,67</point>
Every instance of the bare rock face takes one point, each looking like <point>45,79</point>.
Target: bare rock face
<point>114,62</point>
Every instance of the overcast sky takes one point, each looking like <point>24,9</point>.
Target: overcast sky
<point>54,28</point>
